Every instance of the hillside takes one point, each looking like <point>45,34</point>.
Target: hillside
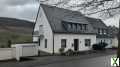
<point>15,30</point>
<point>16,25</point>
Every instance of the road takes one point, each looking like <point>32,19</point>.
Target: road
<point>103,61</point>
<point>99,59</point>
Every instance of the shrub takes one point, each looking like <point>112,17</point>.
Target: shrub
<point>61,50</point>
<point>99,46</point>
<point>2,46</point>
<point>69,52</point>
<point>9,43</point>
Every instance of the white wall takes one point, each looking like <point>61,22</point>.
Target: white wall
<point>6,53</point>
<point>42,20</point>
<point>115,42</point>
<point>70,40</point>
<point>106,40</point>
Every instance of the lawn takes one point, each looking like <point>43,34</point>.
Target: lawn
<point>11,37</point>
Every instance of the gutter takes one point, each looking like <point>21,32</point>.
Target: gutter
<point>53,44</point>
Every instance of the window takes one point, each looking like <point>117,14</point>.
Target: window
<point>101,41</point>
<point>87,42</point>
<point>74,27</point>
<point>104,41</point>
<point>45,43</point>
<point>100,31</point>
<point>63,43</point>
<point>105,32</point>
<point>111,41</point>
<point>84,27</point>
<point>69,26</point>
<point>80,26</point>
<point>39,41</point>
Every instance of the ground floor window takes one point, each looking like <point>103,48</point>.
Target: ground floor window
<point>63,43</point>
<point>87,42</point>
<point>39,41</point>
<point>45,43</point>
<point>111,41</point>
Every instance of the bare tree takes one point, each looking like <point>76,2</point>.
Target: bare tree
<point>103,8</point>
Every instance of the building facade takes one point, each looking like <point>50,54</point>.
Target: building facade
<point>58,28</point>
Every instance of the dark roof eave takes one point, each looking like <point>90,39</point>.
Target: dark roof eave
<point>75,33</point>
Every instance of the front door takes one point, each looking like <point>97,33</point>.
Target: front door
<point>76,44</point>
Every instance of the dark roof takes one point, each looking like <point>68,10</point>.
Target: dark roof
<point>96,23</point>
<point>113,31</point>
<point>104,36</point>
<point>99,24</point>
<point>56,15</point>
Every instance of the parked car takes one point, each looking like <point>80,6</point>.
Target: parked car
<point>99,46</point>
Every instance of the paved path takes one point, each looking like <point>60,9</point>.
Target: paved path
<point>88,60</point>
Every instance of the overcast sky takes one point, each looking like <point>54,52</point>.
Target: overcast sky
<point>23,9</point>
<point>27,9</point>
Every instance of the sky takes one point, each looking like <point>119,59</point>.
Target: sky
<point>22,9</point>
<point>27,9</point>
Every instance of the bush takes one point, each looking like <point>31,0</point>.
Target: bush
<point>69,52</point>
<point>2,46</point>
<point>61,50</point>
<point>99,46</point>
<point>9,43</point>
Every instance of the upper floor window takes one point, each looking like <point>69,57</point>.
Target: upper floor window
<point>69,26</point>
<point>105,32</point>
<point>100,31</point>
<point>84,27</point>
<point>74,26</point>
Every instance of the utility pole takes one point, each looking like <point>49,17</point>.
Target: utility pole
<point>118,52</point>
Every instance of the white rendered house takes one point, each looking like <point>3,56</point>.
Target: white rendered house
<point>58,27</point>
<point>102,34</point>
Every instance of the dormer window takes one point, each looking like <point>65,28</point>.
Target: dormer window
<point>85,26</point>
<point>102,31</point>
<point>74,26</point>
<point>69,26</point>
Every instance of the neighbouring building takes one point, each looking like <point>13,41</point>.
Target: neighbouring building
<point>113,31</point>
<point>102,32</point>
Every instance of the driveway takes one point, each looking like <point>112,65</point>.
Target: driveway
<point>89,60</point>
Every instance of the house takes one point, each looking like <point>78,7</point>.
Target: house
<point>113,31</point>
<point>58,28</point>
<point>102,32</point>
<point>115,42</point>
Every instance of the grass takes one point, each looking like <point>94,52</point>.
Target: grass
<point>11,37</point>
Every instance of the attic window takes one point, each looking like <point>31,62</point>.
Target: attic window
<point>74,26</point>
<point>70,26</point>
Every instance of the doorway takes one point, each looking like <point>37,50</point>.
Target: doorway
<point>76,44</point>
